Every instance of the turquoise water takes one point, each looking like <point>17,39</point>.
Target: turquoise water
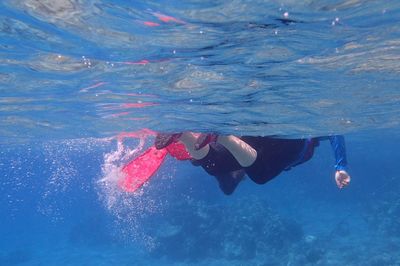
<point>76,74</point>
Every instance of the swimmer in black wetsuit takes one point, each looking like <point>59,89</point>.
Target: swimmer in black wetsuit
<point>229,158</point>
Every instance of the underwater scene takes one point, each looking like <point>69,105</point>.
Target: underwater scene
<point>199,132</point>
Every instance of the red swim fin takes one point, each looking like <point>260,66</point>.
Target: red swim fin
<point>140,169</point>
<point>178,151</point>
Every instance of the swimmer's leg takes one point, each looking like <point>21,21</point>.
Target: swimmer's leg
<point>229,181</point>
<point>243,152</point>
<point>189,139</point>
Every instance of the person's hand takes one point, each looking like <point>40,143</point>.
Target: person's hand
<point>342,178</point>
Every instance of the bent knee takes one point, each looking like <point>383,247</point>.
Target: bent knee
<point>228,190</point>
<point>261,180</point>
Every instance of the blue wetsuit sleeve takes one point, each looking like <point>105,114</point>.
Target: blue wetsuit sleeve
<point>339,148</point>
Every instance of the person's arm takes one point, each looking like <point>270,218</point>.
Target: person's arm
<point>342,178</point>
<point>339,149</point>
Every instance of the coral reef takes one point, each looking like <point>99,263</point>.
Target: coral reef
<point>240,231</point>
<point>16,257</point>
<point>383,214</point>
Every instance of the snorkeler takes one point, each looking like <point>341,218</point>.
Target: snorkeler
<point>230,158</point>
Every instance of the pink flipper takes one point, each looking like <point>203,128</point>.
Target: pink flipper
<point>139,170</point>
<point>178,151</point>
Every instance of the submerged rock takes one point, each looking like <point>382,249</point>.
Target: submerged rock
<point>314,255</point>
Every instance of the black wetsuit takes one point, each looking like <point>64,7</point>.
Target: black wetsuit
<point>274,155</point>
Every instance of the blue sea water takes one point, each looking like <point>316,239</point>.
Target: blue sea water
<point>76,74</point>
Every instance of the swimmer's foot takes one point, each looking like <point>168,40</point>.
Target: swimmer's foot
<point>205,139</point>
<point>163,140</point>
